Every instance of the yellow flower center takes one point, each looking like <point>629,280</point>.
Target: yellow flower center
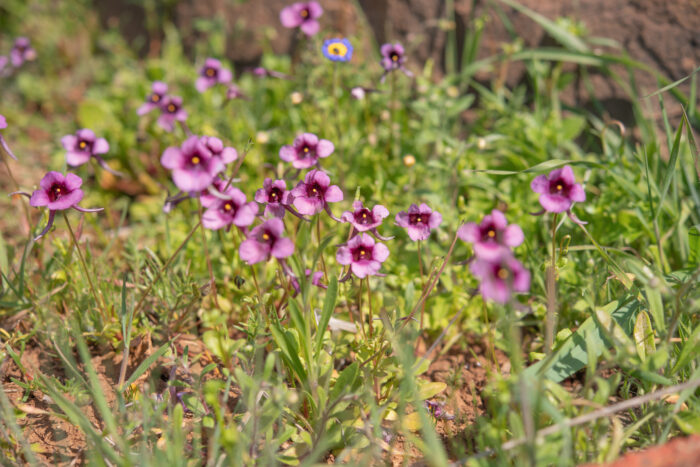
<point>394,57</point>
<point>82,144</point>
<point>363,252</point>
<point>491,233</point>
<point>57,190</point>
<point>306,149</point>
<point>171,108</point>
<point>339,49</point>
<point>210,72</point>
<point>419,219</point>
<point>560,187</point>
<point>304,13</point>
<point>195,160</point>
<point>265,236</point>
<point>155,97</point>
<point>227,207</point>
<point>364,215</point>
<point>314,191</point>
<point>503,273</point>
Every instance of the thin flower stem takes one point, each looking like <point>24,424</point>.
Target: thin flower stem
<point>359,309</point>
<point>318,237</point>
<point>212,282</point>
<point>422,283</point>
<point>550,322</point>
<point>257,288</point>
<point>100,303</point>
<point>16,188</point>
<point>393,104</point>
<point>369,303</point>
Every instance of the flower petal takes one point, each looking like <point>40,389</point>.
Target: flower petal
<point>540,184</point>
<point>555,203</point>
<point>282,248</point>
<point>324,148</point>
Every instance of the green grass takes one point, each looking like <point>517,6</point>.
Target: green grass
<point>250,375</point>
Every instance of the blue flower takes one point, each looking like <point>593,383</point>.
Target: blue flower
<point>337,50</point>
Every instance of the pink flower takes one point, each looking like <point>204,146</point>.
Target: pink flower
<point>234,210</point>
<point>264,241</point>
<point>82,146</point>
<point>558,190</point>
<point>216,146</point>
<point>364,256</point>
<point>500,278</point>
<point>58,193</point>
<point>302,15</point>
<point>393,58</point>
<point>194,166</point>
<point>154,100</point>
<point>312,195</point>
<point>234,92</point>
<point>418,221</point>
<point>306,150</point>
<point>211,74</point>
<point>362,219</point>
<point>492,238</point>
<point>22,51</point>
<point>171,111</point>
<point>275,196</point>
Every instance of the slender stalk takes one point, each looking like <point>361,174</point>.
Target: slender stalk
<point>550,320</point>
<point>16,188</point>
<point>369,303</point>
<point>100,303</point>
<point>422,282</point>
<point>318,238</point>
<point>393,104</point>
<point>257,288</point>
<point>359,308</point>
<point>212,282</point>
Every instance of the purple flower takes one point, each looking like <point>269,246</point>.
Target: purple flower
<point>154,100</point>
<point>438,411</point>
<point>194,166</point>
<point>364,256</point>
<point>21,51</point>
<point>264,241</point>
<point>315,280</point>
<point>337,50</point>
<point>227,154</point>
<point>418,221</point>
<point>171,111</point>
<point>492,238</point>
<point>82,146</point>
<point>234,210</point>
<point>500,278</point>
<point>261,72</point>
<point>306,150</point>
<point>302,15</point>
<point>558,190</point>
<point>363,220</point>
<point>275,195</point>
<point>393,58</point>
<point>3,144</point>
<point>314,193</point>
<point>211,74</point>
<point>58,192</point>
<point>234,92</point>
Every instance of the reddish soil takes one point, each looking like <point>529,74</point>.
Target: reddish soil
<point>679,452</point>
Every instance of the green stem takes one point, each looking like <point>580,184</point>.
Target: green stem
<point>369,303</point>
<point>99,302</point>
<point>550,323</point>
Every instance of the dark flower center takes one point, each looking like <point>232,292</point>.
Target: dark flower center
<point>363,216</point>
<point>155,98</point>
<point>228,206</point>
<point>502,273</point>
<point>418,218</point>
<point>56,191</point>
<point>172,108</point>
<point>275,195</point>
<point>558,187</point>
<point>82,144</point>
<point>304,13</point>
<point>266,237</point>
<point>196,159</point>
<point>307,149</point>
<point>210,72</point>
<point>394,56</point>
<point>314,190</point>
<point>362,253</point>
<point>489,233</point>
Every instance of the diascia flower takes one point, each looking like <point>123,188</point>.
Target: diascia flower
<point>171,111</point>
<point>194,166</point>
<point>21,51</point>
<point>418,221</point>
<point>84,145</point>
<point>211,74</point>
<point>363,219</point>
<point>3,144</point>
<point>313,194</point>
<point>337,50</point>
<point>302,15</point>
<point>155,99</point>
<point>558,190</point>
<point>492,238</point>
<point>227,154</point>
<point>275,196</point>
<point>393,58</point>
<point>264,241</point>
<point>499,279</point>
<point>306,150</point>
<point>58,192</point>
<point>364,256</point>
<point>234,210</point>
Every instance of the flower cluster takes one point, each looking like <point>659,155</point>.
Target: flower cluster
<point>170,107</point>
<point>302,15</point>
<point>21,52</point>
<point>84,145</point>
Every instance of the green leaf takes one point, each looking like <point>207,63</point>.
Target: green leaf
<point>688,422</point>
<point>326,314</point>
<point>670,169</point>
<point>428,389</point>
<point>345,381</point>
<point>656,307</point>
<point>141,369</point>
<point>644,335</point>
